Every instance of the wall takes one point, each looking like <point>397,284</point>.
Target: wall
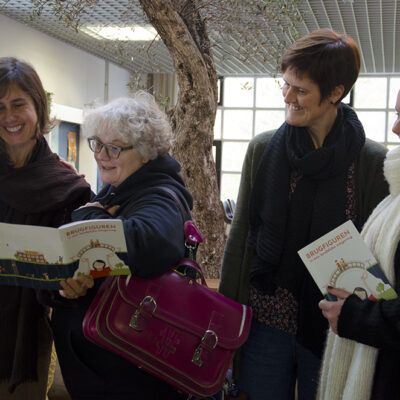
<point>75,77</point>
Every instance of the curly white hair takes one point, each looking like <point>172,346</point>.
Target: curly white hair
<point>138,120</point>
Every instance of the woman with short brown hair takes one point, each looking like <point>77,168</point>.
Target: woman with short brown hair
<point>298,183</point>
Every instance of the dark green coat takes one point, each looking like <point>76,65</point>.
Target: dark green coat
<point>371,188</point>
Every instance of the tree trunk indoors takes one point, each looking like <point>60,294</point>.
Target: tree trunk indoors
<point>183,32</point>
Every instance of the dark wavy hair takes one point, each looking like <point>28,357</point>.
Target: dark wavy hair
<point>20,73</point>
<point>327,58</point>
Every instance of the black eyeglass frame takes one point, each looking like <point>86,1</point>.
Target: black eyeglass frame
<point>107,146</point>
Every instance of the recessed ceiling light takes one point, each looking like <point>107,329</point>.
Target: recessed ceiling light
<point>131,33</point>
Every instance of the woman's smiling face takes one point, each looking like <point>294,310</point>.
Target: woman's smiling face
<point>305,108</point>
<point>303,99</point>
<point>114,171</point>
<point>18,121</point>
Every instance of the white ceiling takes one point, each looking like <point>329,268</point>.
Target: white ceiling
<point>374,24</point>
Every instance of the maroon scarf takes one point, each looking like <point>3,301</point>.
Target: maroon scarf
<point>43,193</point>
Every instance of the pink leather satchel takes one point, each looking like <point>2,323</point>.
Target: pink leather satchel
<point>172,326</point>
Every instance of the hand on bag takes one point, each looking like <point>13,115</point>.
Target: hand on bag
<point>74,288</point>
<point>332,309</point>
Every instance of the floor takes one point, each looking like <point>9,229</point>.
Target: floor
<point>57,390</point>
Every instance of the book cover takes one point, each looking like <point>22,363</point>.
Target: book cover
<point>39,257</point>
<point>341,259</point>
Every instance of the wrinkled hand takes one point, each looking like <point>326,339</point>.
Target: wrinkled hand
<point>332,309</point>
<point>74,288</point>
<point>111,210</point>
<point>95,204</point>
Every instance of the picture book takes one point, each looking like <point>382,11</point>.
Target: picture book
<point>341,259</point>
<point>39,257</point>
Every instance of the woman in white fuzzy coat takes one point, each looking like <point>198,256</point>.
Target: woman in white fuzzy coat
<point>362,355</point>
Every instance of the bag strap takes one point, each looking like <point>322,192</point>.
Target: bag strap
<point>192,233</point>
<point>188,266</point>
<point>186,216</point>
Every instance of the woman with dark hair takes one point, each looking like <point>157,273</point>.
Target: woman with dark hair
<point>367,366</point>
<point>298,183</point>
<point>37,189</point>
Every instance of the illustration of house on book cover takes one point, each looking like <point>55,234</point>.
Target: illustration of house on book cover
<point>341,259</point>
<point>30,268</point>
<point>90,248</point>
<point>372,283</point>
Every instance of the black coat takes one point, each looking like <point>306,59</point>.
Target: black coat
<point>377,324</point>
<point>153,226</point>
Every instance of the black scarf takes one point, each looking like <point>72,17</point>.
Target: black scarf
<point>281,224</point>
<point>44,193</point>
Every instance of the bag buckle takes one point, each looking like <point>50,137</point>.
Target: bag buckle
<point>193,239</point>
<point>192,233</point>
<point>147,307</point>
<point>209,341</point>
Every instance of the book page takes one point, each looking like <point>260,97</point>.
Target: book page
<point>341,259</point>
<point>31,256</point>
<point>96,246</point>
<point>39,257</point>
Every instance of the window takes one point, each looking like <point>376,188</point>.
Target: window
<point>248,106</point>
<point>254,104</point>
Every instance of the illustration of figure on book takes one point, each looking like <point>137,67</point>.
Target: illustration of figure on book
<point>94,261</point>
<point>99,268</point>
<point>365,283</point>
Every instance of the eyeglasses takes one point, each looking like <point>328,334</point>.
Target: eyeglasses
<point>112,150</point>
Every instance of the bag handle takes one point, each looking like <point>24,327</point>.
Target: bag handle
<point>190,269</point>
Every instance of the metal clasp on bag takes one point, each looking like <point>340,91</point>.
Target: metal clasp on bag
<point>134,322</point>
<point>193,239</point>
<point>205,343</point>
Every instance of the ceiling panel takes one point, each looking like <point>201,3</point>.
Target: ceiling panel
<point>374,24</point>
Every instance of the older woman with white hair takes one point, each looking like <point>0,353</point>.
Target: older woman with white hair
<point>130,138</point>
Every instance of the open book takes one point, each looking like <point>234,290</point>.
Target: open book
<point>341,259</point>
<point>39,257</point>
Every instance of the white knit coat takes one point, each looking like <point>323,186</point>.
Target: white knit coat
<point>348,367</point>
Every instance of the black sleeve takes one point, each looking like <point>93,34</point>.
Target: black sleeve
<point>153,231</point>
<point>376,324</point>
<point>52,298</point>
